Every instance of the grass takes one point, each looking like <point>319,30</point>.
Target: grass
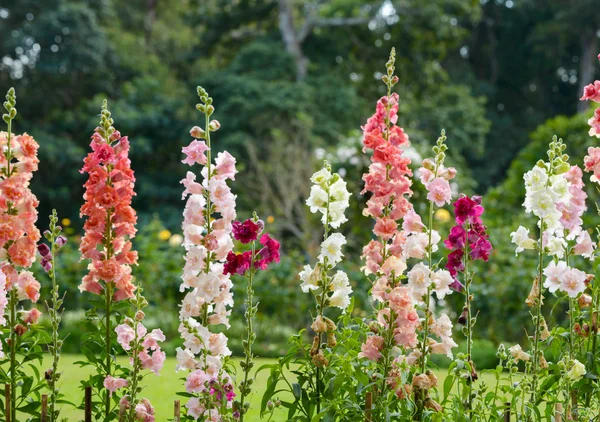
<point>161,390</point>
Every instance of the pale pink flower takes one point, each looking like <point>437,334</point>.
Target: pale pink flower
<point>194,408</point>
<point>154,361</point>
<point>554,272</point>
<point>584,246</point>
<point>439,191</point>
<point>225,166</point>
<point>196,381</point>
<point>191,186</point>
<point>412,222</point>
<point>573,282</point>
<point>195,153</point>
<point>152,339</point>
<point>372,348</point>
<point>125,335</point>
<point>217,345</point>
<point>112,384</point>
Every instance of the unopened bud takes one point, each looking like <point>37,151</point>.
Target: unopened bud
<point>462,319</point>
<point>584,301</point>
<point>331,340</point>
<point>197,132</point>
<point>214,125</point>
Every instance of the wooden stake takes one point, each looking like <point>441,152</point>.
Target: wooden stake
<point>558,412</point>
<point>88,404</point>
<point>176,410</point>
<point>44,408</point>
<point>7,402</point>
<point>575,411</point>
<point>368,406</point>
<point>507,412</point>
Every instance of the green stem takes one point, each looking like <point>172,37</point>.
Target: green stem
<point>427,301</point>
<point>536,338</point>
<point>135,374</point>
<point>108,345</point>
<point>55,340</point>
<point>469,320</point>
<point>13,354</point>
<point>249,335</point>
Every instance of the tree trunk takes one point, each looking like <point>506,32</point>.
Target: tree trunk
<point>290,38</point>
<point>149,19</point>
<point>589,46</point>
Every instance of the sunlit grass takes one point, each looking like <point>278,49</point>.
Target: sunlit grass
<point>161,390</point>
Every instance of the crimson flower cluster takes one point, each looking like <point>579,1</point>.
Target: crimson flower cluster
<point>469,234</point>
<point>247,232</point>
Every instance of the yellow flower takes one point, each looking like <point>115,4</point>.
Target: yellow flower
<point>270,219</point>
<point>164,234</point>
<point>442,215</point>
<point>66,222</point>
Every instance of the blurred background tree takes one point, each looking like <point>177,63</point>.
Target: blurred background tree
<point>293,81</point>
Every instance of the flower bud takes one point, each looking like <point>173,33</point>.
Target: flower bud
<point>20,329</point>
<point>462,319</point>
<point>43,249</point>
<point>61,241</point>
<point>543,362</point>
<point>429,403</point>
<point>197,132</point>
<point>331,340</point>
<point>214,125</point>
<point>584,301</point>
<point>315,346</point>
<point>589,279</point>
<point>139,315</point>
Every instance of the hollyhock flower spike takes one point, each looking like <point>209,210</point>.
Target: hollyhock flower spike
<point>110,223</point>
<point>18,249</point>
<point>247,264</point>
<point>555,195</point>
<point>469,242</point>
<point>591,92</point>
<point>208,227</point>
<point>329,286</point>
<point>396,316</point>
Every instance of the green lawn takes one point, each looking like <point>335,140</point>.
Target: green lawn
<point>161,390</point>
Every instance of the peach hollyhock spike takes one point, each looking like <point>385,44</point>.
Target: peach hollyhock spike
<point>110,223</point>
<point>18,215</point>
